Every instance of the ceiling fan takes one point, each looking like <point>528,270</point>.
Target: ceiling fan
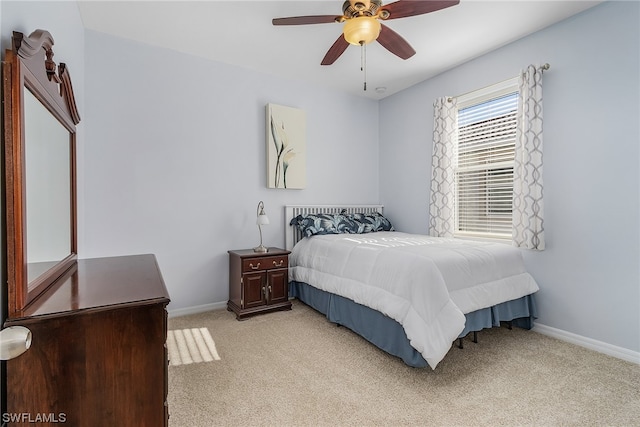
<point>362,24</point>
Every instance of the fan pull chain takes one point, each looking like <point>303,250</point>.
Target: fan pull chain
<point>363,62</point>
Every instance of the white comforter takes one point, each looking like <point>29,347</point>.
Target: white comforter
<point>424,283</point>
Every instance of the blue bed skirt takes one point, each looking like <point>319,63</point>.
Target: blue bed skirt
<point>388,335</point>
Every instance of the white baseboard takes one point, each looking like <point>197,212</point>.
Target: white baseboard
<point>599,346</point>
<point>197,309</point>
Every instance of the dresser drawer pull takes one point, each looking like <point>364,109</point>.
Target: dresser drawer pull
<point>254,267</point>
<point>278,264</point>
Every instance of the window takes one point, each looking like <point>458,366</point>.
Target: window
<point>485,160</point>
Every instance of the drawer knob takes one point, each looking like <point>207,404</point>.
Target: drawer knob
<point>254,267</point>
<point>278,264</point>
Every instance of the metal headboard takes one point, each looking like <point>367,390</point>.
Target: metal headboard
<point>292,235</point>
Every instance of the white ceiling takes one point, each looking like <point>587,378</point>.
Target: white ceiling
<point>240,32</point>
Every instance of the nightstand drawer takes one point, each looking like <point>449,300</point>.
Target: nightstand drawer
<point>265,263</point>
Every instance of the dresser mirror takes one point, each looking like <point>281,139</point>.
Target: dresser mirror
<point>40,119</point>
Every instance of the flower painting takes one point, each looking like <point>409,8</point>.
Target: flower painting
<point>286,133</point>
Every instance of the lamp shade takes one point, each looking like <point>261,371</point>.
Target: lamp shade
<point>361,30</point>
<point>263,219</point>
<point>14,341</point>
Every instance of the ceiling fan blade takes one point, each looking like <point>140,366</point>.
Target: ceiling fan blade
<point>304,20</point>
<point>404,8</point>
<point>335,51</point>
<point>394,43</point>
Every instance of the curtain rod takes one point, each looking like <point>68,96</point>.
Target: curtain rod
<point>544,67</point>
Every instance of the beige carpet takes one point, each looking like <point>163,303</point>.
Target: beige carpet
<point>294,368</point>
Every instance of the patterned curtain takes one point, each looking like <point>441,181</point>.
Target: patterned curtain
<point>445,141</point>
<point>528,223</point>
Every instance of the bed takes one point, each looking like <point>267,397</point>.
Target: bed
<point>410,295</point>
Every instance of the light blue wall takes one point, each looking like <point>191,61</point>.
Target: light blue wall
<point>589,273</point>
<point>175,160</point>
<point>171,157</point>
<point>62,20</point>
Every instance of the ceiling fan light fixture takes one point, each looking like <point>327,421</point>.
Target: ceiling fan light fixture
<point>361,30</point>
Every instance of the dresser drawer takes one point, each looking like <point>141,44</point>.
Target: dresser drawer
<point>265,263</point>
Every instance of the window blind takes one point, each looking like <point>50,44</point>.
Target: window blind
<point>484,171</point>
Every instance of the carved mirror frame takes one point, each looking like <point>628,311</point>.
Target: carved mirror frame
<point>28,66</point>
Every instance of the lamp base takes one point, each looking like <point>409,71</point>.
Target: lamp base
<point>261,249</point>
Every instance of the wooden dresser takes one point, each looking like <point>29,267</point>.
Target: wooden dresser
<point>98,355</point>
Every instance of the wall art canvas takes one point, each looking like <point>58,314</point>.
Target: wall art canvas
<point>286,147</point>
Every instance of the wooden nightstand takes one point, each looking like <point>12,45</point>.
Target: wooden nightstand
<point>258,282</point>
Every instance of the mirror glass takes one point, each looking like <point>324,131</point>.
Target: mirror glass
<point>47,187</point>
